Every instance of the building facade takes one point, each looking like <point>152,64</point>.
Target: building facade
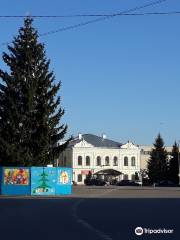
<point>90,153</point>
<point>145,154</point>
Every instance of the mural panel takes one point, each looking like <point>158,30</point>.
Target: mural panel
<point>43,180</point>
<point>64,181</point>
<point>16,176</point>
<point>15,180</point>
<point>64,176</point>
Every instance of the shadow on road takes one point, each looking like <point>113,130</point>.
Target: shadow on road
<point>83,218</point>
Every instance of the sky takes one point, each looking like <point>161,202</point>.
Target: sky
<point>120,76</point>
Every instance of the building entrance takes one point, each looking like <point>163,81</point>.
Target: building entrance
<point>109,175</point>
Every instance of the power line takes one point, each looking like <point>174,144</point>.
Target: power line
<point>92,15</point>
<point>151,13</point>
<point>102,18</point>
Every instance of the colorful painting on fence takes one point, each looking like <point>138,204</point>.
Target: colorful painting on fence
<point>16,176</point>
<point>64,176</point>
<point>43,181</point>
<point>64,181</point>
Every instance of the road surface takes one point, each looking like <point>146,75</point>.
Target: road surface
<point>100,214</point>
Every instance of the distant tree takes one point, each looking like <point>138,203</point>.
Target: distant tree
<point>158,162</point>
<point>174,165</point>
<point>30,110</point>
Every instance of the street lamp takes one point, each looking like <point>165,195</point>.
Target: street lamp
<point>102,166</point>
<point>141,175</point>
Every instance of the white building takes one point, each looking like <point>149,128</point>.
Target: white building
<point>89,152</point>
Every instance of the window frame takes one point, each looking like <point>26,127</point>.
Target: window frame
<point>126,161</point>
<point>88,158</point>
<point>115,161</point>
<point>79,159</point>
<point>98,158</point>
<point>107,159</point>
<point>133,161</point>
<point>79,176</point>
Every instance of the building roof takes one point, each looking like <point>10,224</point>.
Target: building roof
<point>96,141</point>
<point>112,172</point>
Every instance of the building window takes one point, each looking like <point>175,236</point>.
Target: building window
<point>125,161</point>
<point>133,161</point>
<point>125,176</point>
<point>79,160</point>
<point>79,178</point>
<point>87,161</point>
<point>98,163</point>
<point>115,161</point>
<point>65,161</point>
<point>106,161</point>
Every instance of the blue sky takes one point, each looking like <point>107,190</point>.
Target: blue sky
<point>120,76</point>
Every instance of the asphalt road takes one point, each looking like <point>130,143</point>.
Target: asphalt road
<point>99,217</point>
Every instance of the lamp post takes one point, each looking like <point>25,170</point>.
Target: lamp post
<point>92,171</point>
<point>102,166</point>
<point>141,174</point>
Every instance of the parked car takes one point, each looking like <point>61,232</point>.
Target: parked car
<point>114,182</point>
<point>89,182</point>
<point>139,182</point>
<point>166,183</point>
<point>127,183</point>
<point>146,182</point>
<point>94,181</point>
<point>100,182</point>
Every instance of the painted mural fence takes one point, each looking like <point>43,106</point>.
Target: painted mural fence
<point>64,181</point>
<point>15,181</point>
<point>35,181</point>
<point>43,181</point>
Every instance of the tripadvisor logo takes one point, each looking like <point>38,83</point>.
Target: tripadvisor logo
<point>139,231</point>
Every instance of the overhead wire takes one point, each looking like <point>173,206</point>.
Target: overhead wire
<point>100,18</point>
<point>92,15</point>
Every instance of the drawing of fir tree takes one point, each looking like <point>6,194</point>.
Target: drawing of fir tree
<point>43,187</point>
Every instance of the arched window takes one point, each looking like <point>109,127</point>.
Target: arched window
<point>133,161</point>
<point>79,177</point>
<point>115,161</point>
<point>125,161</point>
<point>98,161</point>
<point>87,161</point>
<point>106,161</point>
<point>80,160</point>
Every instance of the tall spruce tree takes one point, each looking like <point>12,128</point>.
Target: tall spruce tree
<point>174,164</point>
<point>30,110</point>
<point>158,163</point>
